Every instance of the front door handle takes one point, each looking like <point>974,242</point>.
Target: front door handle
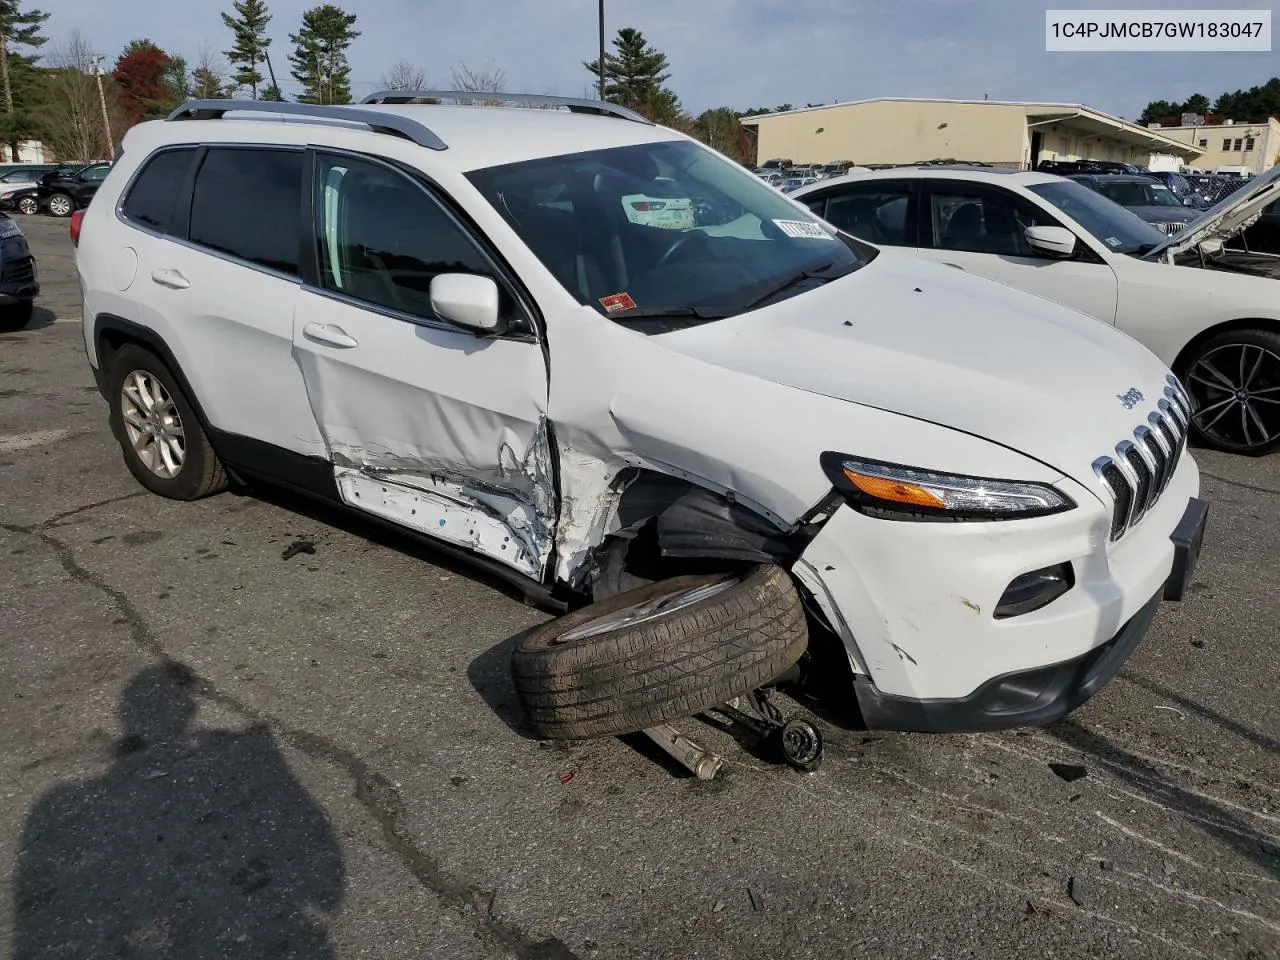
<point>329,334</point>
<point>170,278</point>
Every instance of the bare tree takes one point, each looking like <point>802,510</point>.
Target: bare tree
<point>488,79</point>
<point>70,114</point>
<point>209,78</point>
<point>404,75</point>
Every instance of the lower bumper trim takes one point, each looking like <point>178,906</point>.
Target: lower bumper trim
<point>1025,698</point>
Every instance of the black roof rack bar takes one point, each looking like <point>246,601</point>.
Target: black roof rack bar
<point>602,107</point>
<point>377,120</point>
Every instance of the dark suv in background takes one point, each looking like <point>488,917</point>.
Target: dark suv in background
<point>64,191</point>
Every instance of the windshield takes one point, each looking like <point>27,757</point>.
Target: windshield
<point>1134,193</point>
<point>1121,230</point>
<point>664,229</point>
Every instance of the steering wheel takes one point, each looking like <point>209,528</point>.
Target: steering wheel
<point>686,237</point>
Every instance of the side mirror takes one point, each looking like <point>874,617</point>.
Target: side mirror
<point>468,300</point>
<point>1051,241</point>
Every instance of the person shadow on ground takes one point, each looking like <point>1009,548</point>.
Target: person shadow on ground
<point>194,844</point>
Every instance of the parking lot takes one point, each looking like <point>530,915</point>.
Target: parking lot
<point>326,751</point>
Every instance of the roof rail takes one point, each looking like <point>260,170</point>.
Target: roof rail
<point>601,107</point>
<point>377,120</point>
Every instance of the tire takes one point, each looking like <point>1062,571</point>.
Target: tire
<point>61,205</point>
<point>1234,382</point>
<point>152,459</point>
<point>16,316</point>
<point>28,206</point>
<point>741,632</point>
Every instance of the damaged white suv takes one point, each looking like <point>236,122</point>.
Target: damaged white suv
<point>591,354</point>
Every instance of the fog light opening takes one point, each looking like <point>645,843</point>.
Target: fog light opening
<point>1034,590</point>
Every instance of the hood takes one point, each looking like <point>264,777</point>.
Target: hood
<point>1225,219</point>
<point>1156,214</point>
<point>941,345</point>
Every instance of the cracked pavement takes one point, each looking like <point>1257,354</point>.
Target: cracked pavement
<point>209,751</point>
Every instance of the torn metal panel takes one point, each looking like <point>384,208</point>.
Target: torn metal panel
<point>450,512</point>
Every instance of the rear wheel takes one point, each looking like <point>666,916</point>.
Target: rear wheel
<point>668,650</point>
<point>1234,382</point>
<point>163,445</point>
<point>61,205</point>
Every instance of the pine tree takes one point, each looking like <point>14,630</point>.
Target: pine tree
<point>206,84</point>
<point>249,48</point>
<point>17,29</point>
<point>634,75</point>
<point>320,54</point>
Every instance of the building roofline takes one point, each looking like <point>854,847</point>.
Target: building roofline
<point>1078,108</point>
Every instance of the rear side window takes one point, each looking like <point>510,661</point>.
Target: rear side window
<point>154,194</point>
<point>247,203</point>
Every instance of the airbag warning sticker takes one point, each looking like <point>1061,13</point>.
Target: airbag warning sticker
<point>802,229</point>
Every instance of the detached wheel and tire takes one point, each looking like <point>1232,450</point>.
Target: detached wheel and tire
<point>61,205</point>
<point>665,651</point>
<point>163,445</point>
<point>29,206</point>
<point>1234,382</point>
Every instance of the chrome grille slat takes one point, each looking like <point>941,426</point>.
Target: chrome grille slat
<point>1137,472</point>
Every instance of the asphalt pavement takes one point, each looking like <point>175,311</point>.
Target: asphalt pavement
<point>206,747</point>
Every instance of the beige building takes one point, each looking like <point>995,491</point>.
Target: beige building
<point>1006,134</point>
<point>1231,144</point>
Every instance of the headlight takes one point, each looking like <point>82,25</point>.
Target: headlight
<point>896,492</point>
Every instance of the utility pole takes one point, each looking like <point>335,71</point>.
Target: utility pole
<point>8,90</point>
<point>271,70</point>
<point>601,49</point>
<point>102,99</point>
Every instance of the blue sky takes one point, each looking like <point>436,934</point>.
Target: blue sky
<point>736,52</point>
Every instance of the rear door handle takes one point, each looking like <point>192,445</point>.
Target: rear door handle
<point>329,334</point>
<point>170,278</point>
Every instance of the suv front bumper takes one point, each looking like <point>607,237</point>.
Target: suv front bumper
<point>914,604</point>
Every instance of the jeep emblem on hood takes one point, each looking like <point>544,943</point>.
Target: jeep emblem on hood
<point>1130,398</point>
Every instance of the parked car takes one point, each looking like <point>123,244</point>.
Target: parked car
<point>1183,190</point>
<point>62,192</point>
<point>465,338</point>
<point>1213,316</point>
<point>14,180</point>
<point>1148,198</point>
<point>25,200</point>
<point>1066,168</point>
<point>795,183</point>
<point>19,284</point>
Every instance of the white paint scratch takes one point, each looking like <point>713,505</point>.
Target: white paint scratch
<point>1135,835</point>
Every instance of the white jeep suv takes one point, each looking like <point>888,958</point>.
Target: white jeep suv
<point>473,323</point>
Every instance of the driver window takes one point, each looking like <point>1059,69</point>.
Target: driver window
<point>980,221</point>
<point>874,211</point>
<point>382,238</point>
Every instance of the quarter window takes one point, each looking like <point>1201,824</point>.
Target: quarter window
<point>383,238</point>
<point>247,203</point>
<point>154,193</point>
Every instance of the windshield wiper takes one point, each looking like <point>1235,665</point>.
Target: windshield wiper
<point>671,313</point>
<point>809,273</point>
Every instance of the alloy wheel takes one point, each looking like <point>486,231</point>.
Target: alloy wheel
<point>1236,393</point>
<point>60,206</point>
<point>152,424</point>
<point>28,206</point>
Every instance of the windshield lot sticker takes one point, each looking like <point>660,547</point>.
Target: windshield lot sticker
<point>802,229</point>
<point>1113,241</point>
<point>617,302</point>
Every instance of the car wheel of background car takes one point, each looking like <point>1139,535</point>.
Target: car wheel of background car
<point>61,205</point>
<point>664,651</point>
<point>163,445</point>
<point>1234,381</point>
<point>16,316</point>
<point>28,206</point>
